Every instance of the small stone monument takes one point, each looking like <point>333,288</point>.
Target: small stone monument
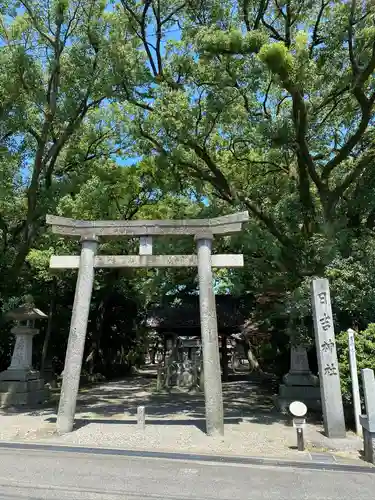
<point>299,383</point>
<point>20,384</point>
<point>368,421</point>
<point>141,418</point>
<point>329,376</point>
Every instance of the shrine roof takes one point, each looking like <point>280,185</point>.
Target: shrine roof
<point>183,313</point>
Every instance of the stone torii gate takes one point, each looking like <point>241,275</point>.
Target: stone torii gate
<point>89,233</point>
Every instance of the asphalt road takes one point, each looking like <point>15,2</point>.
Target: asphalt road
<point>47,475</point>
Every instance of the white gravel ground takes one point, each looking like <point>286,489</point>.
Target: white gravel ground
<point>175,422</point>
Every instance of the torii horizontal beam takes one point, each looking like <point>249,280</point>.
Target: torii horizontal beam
<point>90,233</point>
<point>115,261</point>
<point>226,224</point>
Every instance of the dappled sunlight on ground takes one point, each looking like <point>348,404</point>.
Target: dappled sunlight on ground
<point>106,416</point>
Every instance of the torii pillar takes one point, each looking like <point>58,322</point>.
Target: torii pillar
<point>210,341</point>
<point>89,231</point>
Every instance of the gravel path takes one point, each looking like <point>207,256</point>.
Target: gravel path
<point>175,422</point>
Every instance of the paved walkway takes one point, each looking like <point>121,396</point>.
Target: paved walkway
<point>58,474</point>
<point>106,417</point>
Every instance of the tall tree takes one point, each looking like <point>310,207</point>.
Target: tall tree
<point>55,76</point>
<point>269,103</point>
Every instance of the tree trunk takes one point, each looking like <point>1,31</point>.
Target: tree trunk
<point>51,313</point>
<point>152,356</point>
<point>224,357</point>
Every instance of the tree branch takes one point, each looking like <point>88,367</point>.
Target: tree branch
<point>158,146</point>
<point>266,98</point>
<point>355,69</point>
<point>218,181</point>
<point>351,177</point>
<point>351,142</point>
<point>315,39</point>
<point>146,44</point>
<point>300,125</point>
<point>263,4</point>
<point>328,114</point>
<point>200,114</point>
<point>158,34</point>
<point>242,93</point>
<point>278,107</point>
<point>131,100</point>
<point>288,25</point>
<point>35,22</point>
<point>280,9</point>
<point>143,34</point>
<point>173,13</point>
<point>201,174</point>
<point>276,166</point>
<point>70,28</point>
<point>203,155</point>
<point>332,97</point>
<point>34,133</point>
<point>268,222</point>
<point>366,104</point>
<point>245,14</point>
<point>275,33</point>
<point>211,128</point>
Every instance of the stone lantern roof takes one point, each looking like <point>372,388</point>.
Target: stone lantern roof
<point>26,313</point>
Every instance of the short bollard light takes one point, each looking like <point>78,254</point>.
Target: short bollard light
<point>299,410</point>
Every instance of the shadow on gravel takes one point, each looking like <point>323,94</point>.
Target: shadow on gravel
<point>199,423</point>
<point>247,398</point>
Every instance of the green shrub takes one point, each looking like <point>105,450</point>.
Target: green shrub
<point>365,350</point>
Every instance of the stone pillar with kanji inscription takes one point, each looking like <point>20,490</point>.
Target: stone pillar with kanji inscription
<point>333,412</point>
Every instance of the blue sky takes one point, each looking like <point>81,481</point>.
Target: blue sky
<point>173,34</point>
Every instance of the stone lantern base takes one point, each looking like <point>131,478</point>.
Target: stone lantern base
<point>299,384</point>
<point>20,384</point>
<point>29,392</point>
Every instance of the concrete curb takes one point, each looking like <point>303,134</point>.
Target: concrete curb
<point>312,461</point>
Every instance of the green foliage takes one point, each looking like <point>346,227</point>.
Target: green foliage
<point>39,262</point>
<point>365,351</point>
<point>214,41</point>
<point>259,106</point>
<point>278,59</point>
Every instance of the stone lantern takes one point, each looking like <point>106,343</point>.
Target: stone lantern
<point>299,384</point>
<point>20,384</point>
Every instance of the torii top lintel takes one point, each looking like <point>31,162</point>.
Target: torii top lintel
<point>225,224</point>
